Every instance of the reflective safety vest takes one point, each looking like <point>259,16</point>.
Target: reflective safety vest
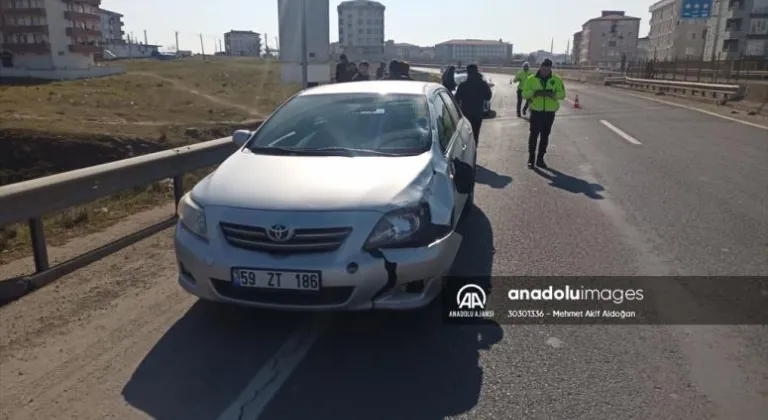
<point>521,77</point>
<point>554,84</point>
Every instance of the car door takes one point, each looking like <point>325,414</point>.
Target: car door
<point>467,156</point>
<point>453,145</point>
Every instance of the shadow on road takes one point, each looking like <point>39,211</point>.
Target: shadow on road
<point>570,183</point>
<point>392,365</point>
<point>387,365</point>
<point>206,359</point>
<point>491,178</point>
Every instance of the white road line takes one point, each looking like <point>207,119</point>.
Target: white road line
<point>267,382</point>
<point>618,131</point>
<point>703,111</point>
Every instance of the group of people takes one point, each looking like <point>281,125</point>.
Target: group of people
<point>349,71</point>
<point>542,92</point>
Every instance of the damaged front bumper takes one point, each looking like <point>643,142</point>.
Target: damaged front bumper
<point>393,279</point>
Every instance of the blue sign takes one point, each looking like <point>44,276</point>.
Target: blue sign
<point>696,9</point>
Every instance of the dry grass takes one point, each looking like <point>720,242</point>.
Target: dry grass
<point>15,241</point>
<point>153,97</point>
<point>156,101</point>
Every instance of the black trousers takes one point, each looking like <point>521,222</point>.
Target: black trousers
<point>541,126</point>
<point>520,102</point>
<point>476,124</point>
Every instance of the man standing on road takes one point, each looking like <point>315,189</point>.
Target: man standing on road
<point>393,71</point>
<point>341,69</point>
<point>448,78</point>
<point>362,72</point>
<point>471,95</point>
<point>520,79</point>
<point>545,90</point>
<point>381,71</point>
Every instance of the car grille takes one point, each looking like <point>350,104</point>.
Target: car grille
<point>326,296</point>
<point>304,240</point>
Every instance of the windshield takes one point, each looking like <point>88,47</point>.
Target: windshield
<point>393,124</point>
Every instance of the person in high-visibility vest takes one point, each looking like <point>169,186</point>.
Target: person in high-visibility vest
<point>520,78</point>
<point>545,90</point>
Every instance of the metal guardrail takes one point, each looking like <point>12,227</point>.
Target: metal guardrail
<point>28,201</point>
<point>716,91</point>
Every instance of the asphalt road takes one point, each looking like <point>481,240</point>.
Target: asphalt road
<point>677,193</point>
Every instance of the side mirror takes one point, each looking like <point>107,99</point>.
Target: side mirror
<point>240,137</point>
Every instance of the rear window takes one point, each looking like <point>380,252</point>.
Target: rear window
<point>389,122</point>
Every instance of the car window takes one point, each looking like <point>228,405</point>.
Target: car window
<point>445,123</point>
<point>453,108</point>
<point>392,123</point>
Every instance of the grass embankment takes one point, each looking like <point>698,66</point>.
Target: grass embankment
<point>55,127</point>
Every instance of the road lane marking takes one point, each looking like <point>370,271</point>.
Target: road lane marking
<point>621,133</point>
<point>703,111</point>
<point>264,386</point>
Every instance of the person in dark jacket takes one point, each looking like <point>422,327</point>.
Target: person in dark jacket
<point>341,69</point>
<point>381,71</point>
<point>449,81</point>
<point>362,72</point>
<point>351,71</point>
<point>393,71</point>
<point>471,95</point>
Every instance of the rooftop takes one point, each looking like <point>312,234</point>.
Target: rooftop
<point>360,3</point>
<point>109,12</point>
<point>405,87</point>
<point>612,15</point>
<point>473,42</point>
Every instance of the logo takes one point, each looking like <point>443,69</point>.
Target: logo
<point>471,300</point>
<point>279,233</point>
<point>471,296</point>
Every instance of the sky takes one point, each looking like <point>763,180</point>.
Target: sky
<point>529,25</point>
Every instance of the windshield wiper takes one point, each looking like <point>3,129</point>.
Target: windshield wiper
<point>280,151</point>
<point>351,151</point>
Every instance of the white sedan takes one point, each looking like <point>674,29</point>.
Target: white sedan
<point>346,198</point>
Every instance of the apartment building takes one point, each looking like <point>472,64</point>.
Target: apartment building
<point>474,51</point>
<point>111,27</point>
<point>361,29</point>
<point>607,41</point>
<point>643,48</point>
<point>737,28</point>
<point>576,48</point>
<point>242,43</point>
<point>49,34</point>
<point>673,36</point>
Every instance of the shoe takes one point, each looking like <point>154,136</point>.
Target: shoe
<point>540,163</point>
<point>530,161</point>
<point>519,116</point>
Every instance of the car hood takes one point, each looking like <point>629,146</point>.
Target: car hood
<point>267,182</point>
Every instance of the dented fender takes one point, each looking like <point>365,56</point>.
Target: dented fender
<point>440,194</point>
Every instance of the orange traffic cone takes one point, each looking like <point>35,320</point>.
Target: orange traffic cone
<point>576,102</point>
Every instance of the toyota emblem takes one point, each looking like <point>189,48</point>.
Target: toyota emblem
<point>279,233</point>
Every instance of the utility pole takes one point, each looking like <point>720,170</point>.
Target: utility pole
<point>145,37</point>
<point>202,46</point>
<point>221,46</point>
<point>304,53</point>
<point>177,41</point>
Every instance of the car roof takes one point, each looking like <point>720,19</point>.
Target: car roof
<point>407,87</point>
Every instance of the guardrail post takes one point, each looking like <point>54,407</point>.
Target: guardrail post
<point>39,249</point>
<point>178,188</point>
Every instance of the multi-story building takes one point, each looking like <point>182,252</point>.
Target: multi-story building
<point>361,29</point>
<point>672,36</point>
<point>49,34</point>
<point>111,27</point>
<point>609,40</point>
<point>242,43</point>
<point>576,49</point>
<point>474,51</point>
<point>737,28</point>
<point>407,52</point>
<point>643,47</point>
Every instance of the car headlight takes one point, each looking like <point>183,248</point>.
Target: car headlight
<point>192,217</point>
<point>405,228</point>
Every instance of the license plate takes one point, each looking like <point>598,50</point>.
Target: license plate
<point>276,279</point>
